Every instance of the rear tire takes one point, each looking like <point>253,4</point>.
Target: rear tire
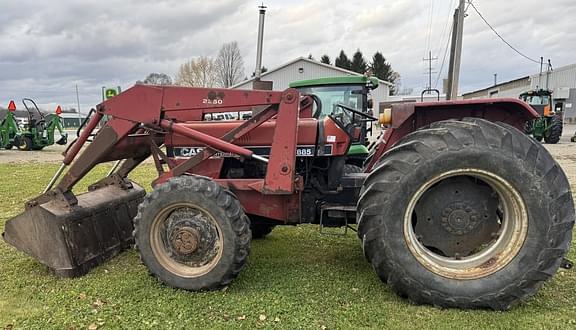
<point>25,144</point>
<point>192,234</point>
<point>533,198</point>
<point>351,168</point>
<point>554,133</point>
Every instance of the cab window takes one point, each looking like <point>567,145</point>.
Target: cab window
<point>332,95</point>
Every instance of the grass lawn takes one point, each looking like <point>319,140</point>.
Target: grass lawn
<point>295,278</point>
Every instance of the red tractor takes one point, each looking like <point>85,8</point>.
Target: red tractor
<point>455,206</point>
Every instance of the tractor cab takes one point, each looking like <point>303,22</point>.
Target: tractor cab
<point>348,102</point>
<point>540,100</point>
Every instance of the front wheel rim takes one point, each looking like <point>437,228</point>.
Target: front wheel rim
<point>188,248</point>
<point>492,258</point>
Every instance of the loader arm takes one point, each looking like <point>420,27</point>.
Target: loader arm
<point>161,110</point>
<point>55,124</point>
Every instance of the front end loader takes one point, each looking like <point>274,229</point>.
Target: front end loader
<point>455,207</point>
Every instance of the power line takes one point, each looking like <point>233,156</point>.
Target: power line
<point>444,57</point>
<point>499,36</point>
<point>447,45</point>
<point>446,26</point>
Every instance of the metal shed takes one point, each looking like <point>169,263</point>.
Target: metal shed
<point>303,68</point>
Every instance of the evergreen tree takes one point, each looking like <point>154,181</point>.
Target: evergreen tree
<point>325,59</point>
<point>383,70</point>
<point>342,61</point>
<point>358,63</point>
<point>310,57</point>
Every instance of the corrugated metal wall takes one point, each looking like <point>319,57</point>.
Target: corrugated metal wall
<point>301,70</point>
<point>510,89</point>
<point>561,77</point>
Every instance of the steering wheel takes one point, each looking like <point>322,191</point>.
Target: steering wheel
<point>316,100</point>
<point>357,112</point>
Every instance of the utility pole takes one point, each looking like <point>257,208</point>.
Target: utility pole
<point>540,75</point>
<point>456,52</point>
<point>548,69</point>
<point>429,60</point>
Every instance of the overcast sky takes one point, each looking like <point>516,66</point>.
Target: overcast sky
<point>47,47</point>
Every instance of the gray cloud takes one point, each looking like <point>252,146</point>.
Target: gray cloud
<point>49,47</point>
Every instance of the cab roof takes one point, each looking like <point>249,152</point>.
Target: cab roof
<point>343,80</point>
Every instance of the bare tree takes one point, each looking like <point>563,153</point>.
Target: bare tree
<point>229,65</point>
<point>156,79</point>
<point>199,72</point>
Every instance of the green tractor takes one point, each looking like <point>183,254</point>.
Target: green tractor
<point>349,91</point>
<point>549,125</point>
<point>39,132</point>
<point>8,128</point>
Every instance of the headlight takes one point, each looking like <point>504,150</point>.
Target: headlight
<point>385,117</point>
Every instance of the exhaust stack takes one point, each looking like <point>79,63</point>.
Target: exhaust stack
<point>258,70</point>
<point>257,83</point>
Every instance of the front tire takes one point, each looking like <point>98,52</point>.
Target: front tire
<point>466,214</point>
<point>192,234</point>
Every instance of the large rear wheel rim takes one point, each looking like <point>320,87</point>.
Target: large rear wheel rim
<point>172,246</point>
<point>490,259</point>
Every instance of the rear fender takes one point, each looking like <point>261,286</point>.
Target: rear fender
<point>408,117</point>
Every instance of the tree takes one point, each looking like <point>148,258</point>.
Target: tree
<point>200,72</point>
<point>325,59</point>
<point>383,70</point>
<point>342,61</point>
<point>358,63</point>
<point>156,79</point>
<point>310,57</point>
<point>229,65</point>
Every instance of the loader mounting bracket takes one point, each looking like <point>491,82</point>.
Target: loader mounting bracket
<point>113,180</point>
<point>67,199</point>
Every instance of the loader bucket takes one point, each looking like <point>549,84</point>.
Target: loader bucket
<point>71,240</point>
